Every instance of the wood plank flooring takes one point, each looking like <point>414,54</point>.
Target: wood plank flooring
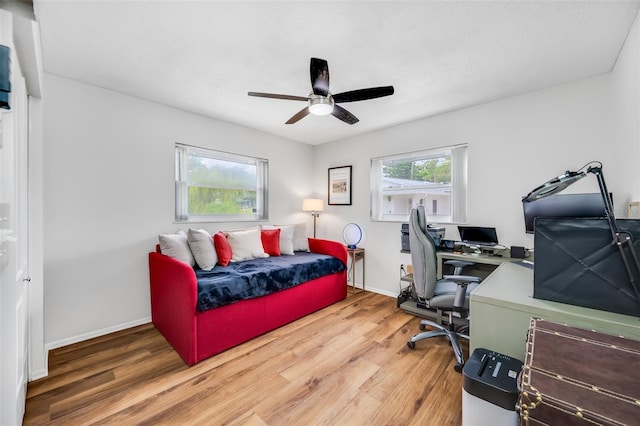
<point>347,364</point>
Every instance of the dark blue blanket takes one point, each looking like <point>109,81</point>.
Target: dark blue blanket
<point>254,278</point>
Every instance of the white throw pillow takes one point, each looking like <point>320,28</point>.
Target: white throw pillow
<point>201,245</point>
<point>245,244</point>
<point>286,237</point>
<point>300,238</point>
<point>176,247</point>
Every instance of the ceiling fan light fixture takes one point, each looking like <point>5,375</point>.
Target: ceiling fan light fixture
<point>320,105</point>
<point>321,101</point>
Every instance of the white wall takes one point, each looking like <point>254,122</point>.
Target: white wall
<point>108,192</point>
<point>108,180</point>
<point>626,95</point>
<point>515,145</point>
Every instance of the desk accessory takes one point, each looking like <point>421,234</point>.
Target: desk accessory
<point>620,239</point>
<point>447,245</point>
<point>575,263</point>
<point>518,252</point>
<point>352,235</point>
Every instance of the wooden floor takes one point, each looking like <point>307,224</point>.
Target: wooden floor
<point>347,364</point>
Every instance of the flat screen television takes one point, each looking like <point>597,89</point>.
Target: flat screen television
<point>561,206</point>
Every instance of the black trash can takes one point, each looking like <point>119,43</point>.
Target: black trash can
<point>490,389</point>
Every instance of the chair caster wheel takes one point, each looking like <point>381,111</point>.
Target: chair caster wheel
<point>458,367</point>
<point>423,327</point>
<point>411,344</point>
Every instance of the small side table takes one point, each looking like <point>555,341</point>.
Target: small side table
<point>356,254</point>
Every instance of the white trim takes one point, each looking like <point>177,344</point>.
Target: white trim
<point>383,292</point>
<point>97,333</point>
<point>40,373</point>
<point>38,362</point>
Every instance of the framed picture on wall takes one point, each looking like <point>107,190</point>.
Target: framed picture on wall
<point>340,186</point>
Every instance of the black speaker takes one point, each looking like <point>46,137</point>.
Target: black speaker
<point>518,252</point>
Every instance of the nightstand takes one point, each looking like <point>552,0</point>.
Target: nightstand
<point>355,254</point>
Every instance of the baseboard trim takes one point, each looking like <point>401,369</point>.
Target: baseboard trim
<point>377,290</point>
<point>97,333</point>
<point>42,373</point>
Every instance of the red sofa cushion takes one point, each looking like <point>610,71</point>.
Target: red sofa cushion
<point>223,248</point>
<point>271,241</point>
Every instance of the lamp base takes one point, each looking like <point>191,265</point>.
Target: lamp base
<point>351,246</point>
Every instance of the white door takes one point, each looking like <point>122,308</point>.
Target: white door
<point>13,241</point>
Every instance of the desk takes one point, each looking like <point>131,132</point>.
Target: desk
<point>484,259</point>
<point>354,255</point>
<point>502,305</point>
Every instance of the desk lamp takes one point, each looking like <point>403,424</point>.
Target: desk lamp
<point>621,239</point>
<point>313,205</point>
<point>352,235</point>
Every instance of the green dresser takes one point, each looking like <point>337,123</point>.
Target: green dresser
<point>502,306</point>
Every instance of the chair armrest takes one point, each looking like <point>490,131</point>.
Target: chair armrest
<point>461,292</point>
<point>462,279</point>
<point>459,263</point>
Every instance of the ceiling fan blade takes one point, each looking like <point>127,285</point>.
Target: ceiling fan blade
<point>298,116</point>
<point>363,94</point>
<point>276,96</point>
<point>319,69</point>
<point>344,115</point>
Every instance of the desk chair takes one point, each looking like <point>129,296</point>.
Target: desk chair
<point>450,294</point>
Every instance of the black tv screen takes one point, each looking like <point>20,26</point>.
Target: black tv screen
<point>560,206</point>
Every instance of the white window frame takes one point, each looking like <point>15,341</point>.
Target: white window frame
<point>182,152</point>
<point>458,184</point>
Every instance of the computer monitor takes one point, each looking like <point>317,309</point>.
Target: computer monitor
<point>561,206</point>
<point>478,235</point>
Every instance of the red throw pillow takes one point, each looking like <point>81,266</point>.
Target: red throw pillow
<point>271,241</point>
<point>223,248</point>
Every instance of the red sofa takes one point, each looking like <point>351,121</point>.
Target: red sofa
<point>198,335</point>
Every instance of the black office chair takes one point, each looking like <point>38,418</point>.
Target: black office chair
<point>450,295</point>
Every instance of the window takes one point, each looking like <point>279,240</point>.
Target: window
<point>218,186</point>
<point>435,178</point>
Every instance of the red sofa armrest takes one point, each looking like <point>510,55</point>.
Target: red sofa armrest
<point>174,295</point>
<point>330,247</point>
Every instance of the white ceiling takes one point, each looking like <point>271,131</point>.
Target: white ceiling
<point>204,56</point>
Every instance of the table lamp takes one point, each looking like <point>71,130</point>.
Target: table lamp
<point>352,235</point>
<point>313,205</point>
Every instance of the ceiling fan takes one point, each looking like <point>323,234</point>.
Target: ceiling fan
<point>321,101</point>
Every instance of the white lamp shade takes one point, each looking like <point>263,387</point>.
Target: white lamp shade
<point>312,205</point>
